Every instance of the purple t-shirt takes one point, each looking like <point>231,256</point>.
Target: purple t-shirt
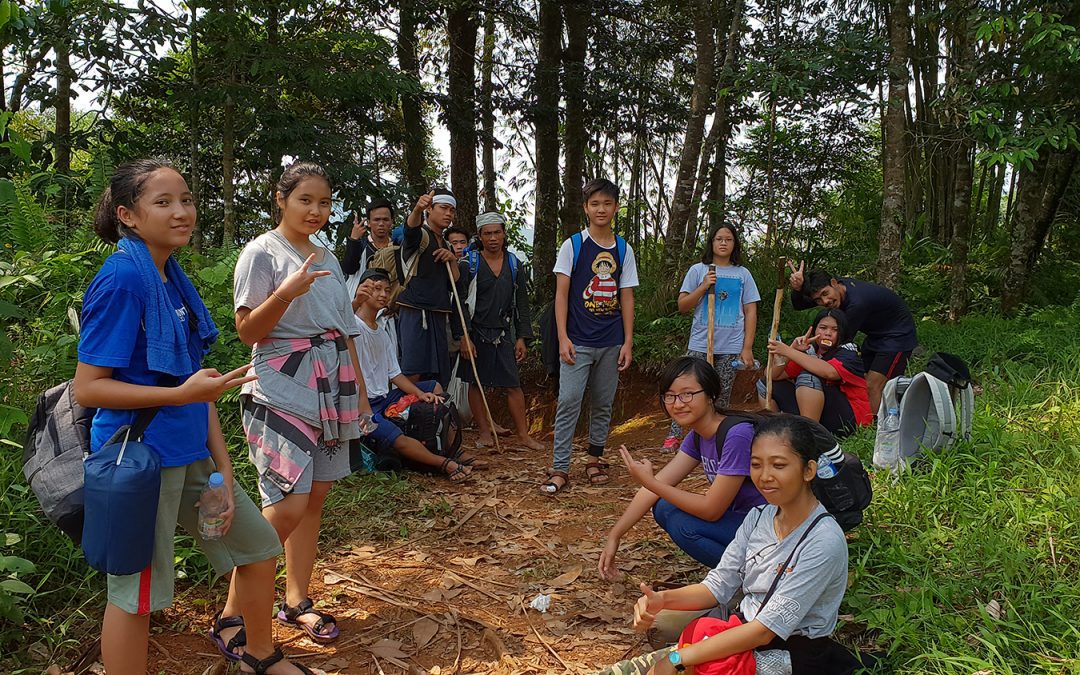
<point>733,461</point>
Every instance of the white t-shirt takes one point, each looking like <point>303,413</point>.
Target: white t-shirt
<point>378,357</point>
<point>564,262</point>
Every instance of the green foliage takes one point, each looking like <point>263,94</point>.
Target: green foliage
<point>13,589</point>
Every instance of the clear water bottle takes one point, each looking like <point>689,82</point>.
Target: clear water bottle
<point>825,468</point>
<point>212,503</point>
<point>887,454</point>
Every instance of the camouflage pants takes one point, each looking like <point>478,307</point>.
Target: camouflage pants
<point>769,662</point>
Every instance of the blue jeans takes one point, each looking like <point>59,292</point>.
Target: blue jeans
<point>702,540</point>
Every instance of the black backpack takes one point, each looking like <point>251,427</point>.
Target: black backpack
<point>846,495</point>
<point>436,425</point>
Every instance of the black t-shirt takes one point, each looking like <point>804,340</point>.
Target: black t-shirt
<point>879,313</point>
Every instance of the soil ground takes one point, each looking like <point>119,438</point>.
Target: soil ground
<point>452,596</point>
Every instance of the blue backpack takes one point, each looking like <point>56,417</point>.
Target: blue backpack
<point>575,243</point>
<point>472,257</point>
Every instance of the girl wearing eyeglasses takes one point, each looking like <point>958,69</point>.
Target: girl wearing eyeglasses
<point>702,525</point>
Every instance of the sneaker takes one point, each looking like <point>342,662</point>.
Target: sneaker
<point>671,444</point>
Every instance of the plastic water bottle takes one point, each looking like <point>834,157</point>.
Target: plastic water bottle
<point>825,468</point>
<point>888,451</point>
<point>737,364</point>
<point>212,503</point>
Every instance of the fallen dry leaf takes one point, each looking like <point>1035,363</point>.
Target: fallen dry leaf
<point>423,631</point>
<point>388,648</point>
<point>566,578</point>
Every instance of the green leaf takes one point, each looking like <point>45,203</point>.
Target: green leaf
<point>11,563</point>
<point>10,538</point>
<point>16,586</point>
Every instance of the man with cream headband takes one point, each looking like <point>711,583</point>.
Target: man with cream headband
<point>425,303</point>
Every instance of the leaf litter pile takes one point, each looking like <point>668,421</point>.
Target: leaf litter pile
<point>453,597</point>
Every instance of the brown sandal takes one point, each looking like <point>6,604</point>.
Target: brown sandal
<point>597,473</point>
<point>551,487</point>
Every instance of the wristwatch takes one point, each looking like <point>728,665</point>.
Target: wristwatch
<point>676,660</point>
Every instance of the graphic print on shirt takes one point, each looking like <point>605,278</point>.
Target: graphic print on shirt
<point>728,302</point>
<point>601,295</point>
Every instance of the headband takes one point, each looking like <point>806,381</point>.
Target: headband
<point>489,218</point>
<point>444,199</point>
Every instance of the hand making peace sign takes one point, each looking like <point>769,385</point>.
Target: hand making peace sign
<point>299,282</point>
<point>797,274</point>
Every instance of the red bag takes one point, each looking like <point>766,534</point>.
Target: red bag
<point>705,627</point>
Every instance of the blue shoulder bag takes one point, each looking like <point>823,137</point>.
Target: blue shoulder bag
<point>122,485</point>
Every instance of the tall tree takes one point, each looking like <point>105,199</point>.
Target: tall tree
<point>487,113</point>
<point>412,116</point>
<point>700,102</point>
<point>64,76</point>
<point>461,109</point>
<point>546,135</point>
<point>577,21</point>
<point>892,191</point>
<point>959,85</point>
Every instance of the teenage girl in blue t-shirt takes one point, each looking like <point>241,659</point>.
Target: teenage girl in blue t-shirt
<point>144,325</point>
<point>734,318</point>
<point>700,524</point>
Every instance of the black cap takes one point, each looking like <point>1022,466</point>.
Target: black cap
<point>377,273</point>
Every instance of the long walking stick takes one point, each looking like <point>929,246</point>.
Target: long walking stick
<point>780,278</point>
<point>472,360</point>
<point>711,313</point>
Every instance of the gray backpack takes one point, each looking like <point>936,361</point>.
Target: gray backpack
<point>57,441</point>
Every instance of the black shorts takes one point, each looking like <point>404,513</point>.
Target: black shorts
<point>889,364</point>
<point>495,363</point>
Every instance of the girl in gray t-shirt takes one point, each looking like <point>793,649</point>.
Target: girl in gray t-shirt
<point>793,528</point>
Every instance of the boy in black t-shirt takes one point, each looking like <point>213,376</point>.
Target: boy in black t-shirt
<point>878,312</point>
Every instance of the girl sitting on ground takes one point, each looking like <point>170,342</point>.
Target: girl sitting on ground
<point>702,525</point>
<point>820,376</point>
<point>788,615</point>
<point>145,332</point>
<point>299,416</point>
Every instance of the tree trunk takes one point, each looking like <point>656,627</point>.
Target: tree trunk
<point>412,116</point>
<point>193,132</point>
<point>892,198</point>
<point>546,130</point>
<point>993,199</point>
<point>700,102</point>
<point>64,77</point>
<point>1039,193</point>
<point>722,124</point>
<point>487,116</point>
<point>228,164</point>
<point>960,81</point>
<point>577,17</point>
<point>461,110</point>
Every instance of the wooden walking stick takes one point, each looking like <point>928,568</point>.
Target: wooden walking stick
<point>711,313</point>
<point>775,328</point>
<point>472,360</point>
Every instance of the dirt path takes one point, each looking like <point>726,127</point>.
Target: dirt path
<point>450,598</point>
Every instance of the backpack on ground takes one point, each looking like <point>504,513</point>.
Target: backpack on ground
<point>549,330</point>
<point>935,408</point>
<point>57,441</point>
<point>436,425</point>
<point>400,271</point>
<point>457,392</point>
<point>846,495</point>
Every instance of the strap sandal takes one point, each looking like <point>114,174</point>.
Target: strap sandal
<point>597,472</point>
<point>460,472</point>
<point>471,462</point>
<point>551,487</point>
<point>291,615</point>
<point>228,649</point>
<point>261,667</point>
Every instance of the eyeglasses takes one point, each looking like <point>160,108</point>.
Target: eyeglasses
<point>684,396</point>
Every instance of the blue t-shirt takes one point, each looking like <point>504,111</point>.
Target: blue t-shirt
<point>112,336</point>
<point>734,460</point>
<point>735,287</point>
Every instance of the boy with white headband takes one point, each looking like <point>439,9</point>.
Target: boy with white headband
<point>425,303</point>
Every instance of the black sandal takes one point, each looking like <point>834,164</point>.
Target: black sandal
<point>262,666</point>
<point>459,474</point>
<point>221,623</point>
<point>290,615</point>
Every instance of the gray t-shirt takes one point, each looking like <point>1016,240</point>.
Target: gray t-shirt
<point>807,599</point>
<point>262,267</point>
<point>735,287</point>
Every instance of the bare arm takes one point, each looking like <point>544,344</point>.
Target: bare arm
<point>810,364</point>
<point>562,305</point>
<point>735,640</point>
<point>626,302</point>
<point>254,324</point>
<point>688,301</point>
<point>95,387</point>
<point>672,474</point>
